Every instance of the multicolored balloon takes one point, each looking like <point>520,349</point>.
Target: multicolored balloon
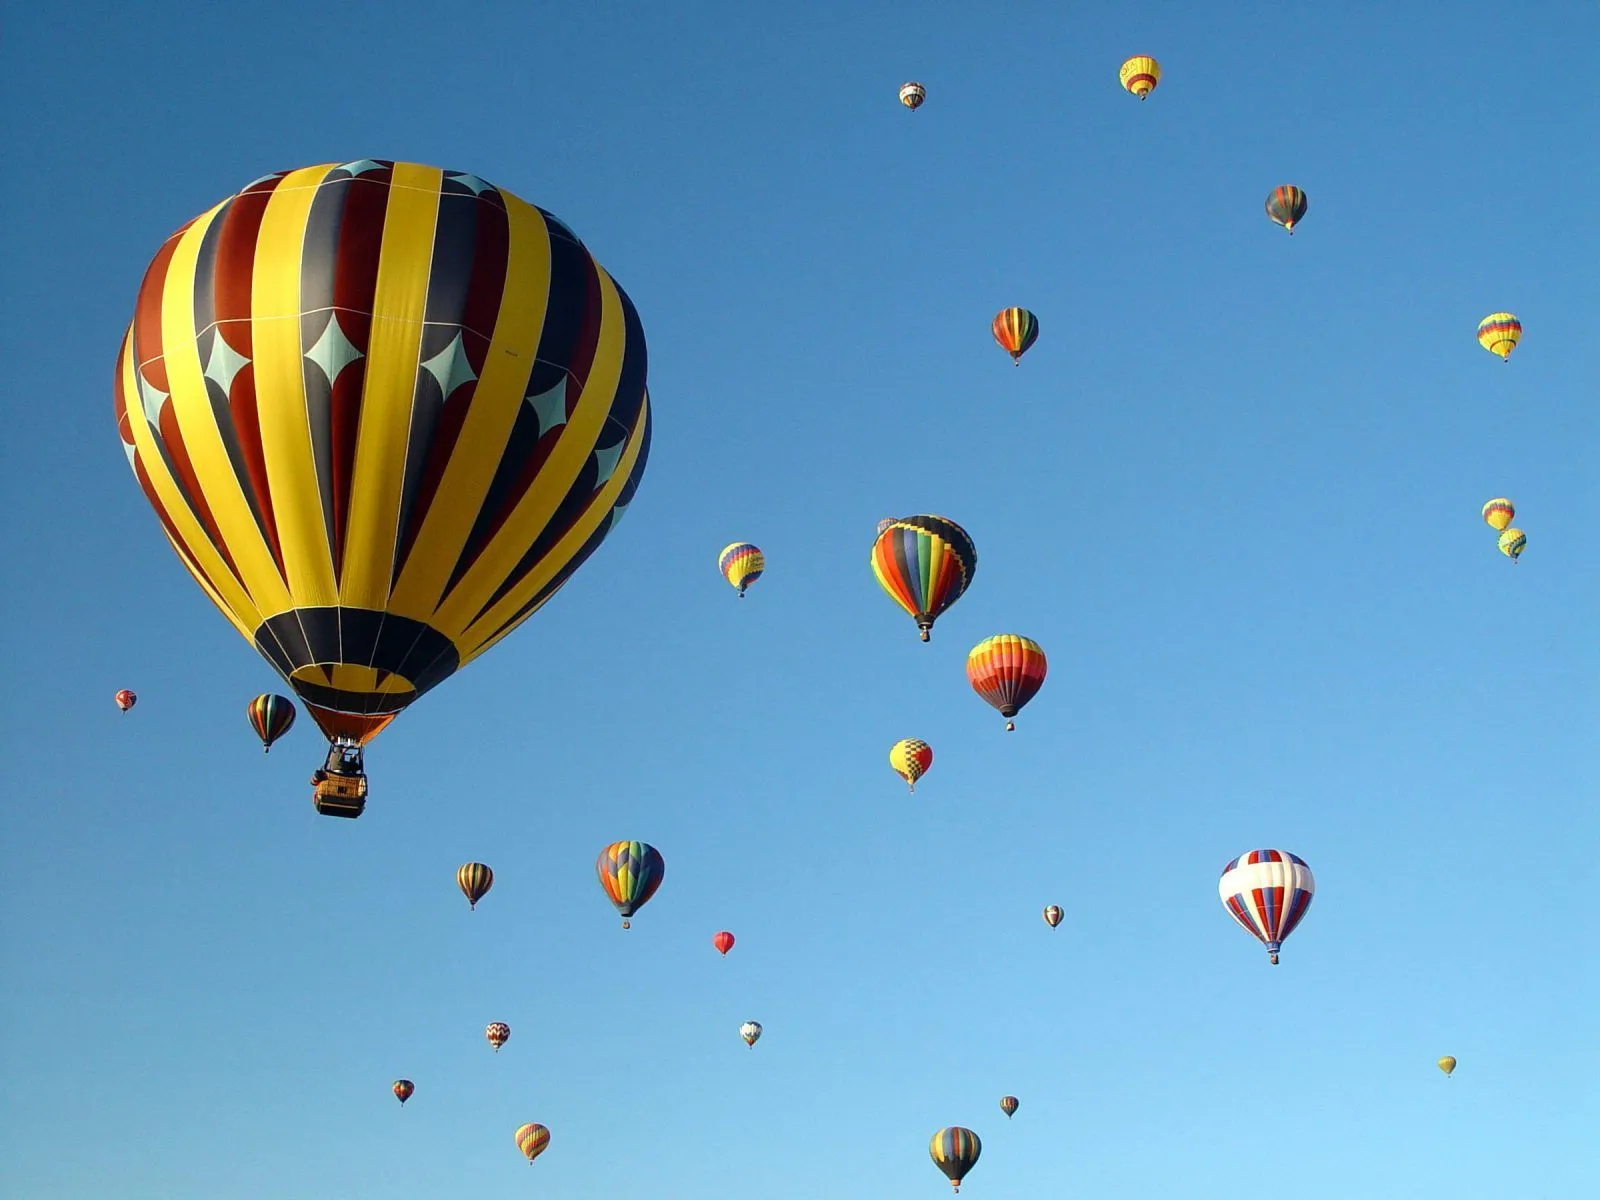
<point>1007,670</point>
<point>1499,513</point>
<point>750,1031</point>
<point>402,1090</point>
<point>1499,333</point>
<point>723,942</point>
<point>1286,205</point>
<point>383,413</point>
<point>1512,542</point>
<point>741,565</point>
<point>912,95</point>
<point>1447,1064</point>
<point>1268,892</point>
<point>474,879</point>
<point>1052,915</point>
<point>125,699</point>
<point>1008,1105</point>
<point>1015,329</point>
<point>630,873</point>
<point>532,1138</point>
<point>925,563</point>
<point>1140,74</point>
<point>911,758</point>
<point>271,717</point>
<point>955,1152</point>
<point>498,1033</point>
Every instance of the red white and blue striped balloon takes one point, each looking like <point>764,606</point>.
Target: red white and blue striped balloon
<point>1267,892</point>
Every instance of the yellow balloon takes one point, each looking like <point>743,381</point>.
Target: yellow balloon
<point>1498,512</point>
<point>1447,1064</point>
<point>1511,543</point>
<point>1140,74</point>
<point>1499,333</point>
<point>911,758</point>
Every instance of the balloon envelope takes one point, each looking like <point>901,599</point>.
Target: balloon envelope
<point>1447,1064</point>
<point>1008,1105</point>
<point>630,873</point>
<point>1140,74</point>
<point>498,1034</point>
<point>402,1090</point>
<point>1268,892</point>
<point>741,564</point>
<point>723,942</point>
<point>532,1138</point>
<point>271,717</point>
<point>1512,542</point>
<point>125,699</point>
<point>474,879</point>
<point>1286,205</point>
<point>912,95</point>
<point>925,563</point>
<point>955,1152</point>
<point>1052,915</point>
<point>1007,670</point>
<point>1015,329</point>
<point>1499,513</point>
<point>1499,333</point>
<point>750,1031</point>
<point>911,758</point>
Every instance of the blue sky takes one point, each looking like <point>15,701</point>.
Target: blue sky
<point>1233,491</point>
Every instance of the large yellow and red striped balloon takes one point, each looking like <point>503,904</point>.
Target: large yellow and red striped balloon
<point>1140,74</point>
<point>1499,513</point>
<point>1007,671</point>
<point>383,412</point>
<point>532,1139</point>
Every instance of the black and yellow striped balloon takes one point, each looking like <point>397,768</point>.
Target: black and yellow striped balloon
<point>383,412</point>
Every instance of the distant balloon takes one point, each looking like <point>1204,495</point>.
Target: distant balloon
<point>741,565</point>
<point>1008,1105</point>
<point>912,95</point>
<point>1268,892</point>
<point>271,717</point>
<point>885,523</point>
<point>474,880</point>
<point>1447,1064</point>
<point>531,1140</point>
<point>1499,333</point>
<point>630,873</point>
<point>925,563</point>
<point>402,1090</point>
<point>1140,74</point>
<point>1286,206</point>
<point>750,1031</point>
<point>126,699</point>
<point>498,1033</point>
<point>1511,543</point>
<point>723,942</point>
<point>911,758</point>
<point>1499,512</point>
<point>1052,915</point>
<point>955,1152</point>
<point>1015,329</point>
<point>1007,671</point>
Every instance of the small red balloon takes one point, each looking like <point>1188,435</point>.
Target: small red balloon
<point>723,941</point>
<point>126,699</point>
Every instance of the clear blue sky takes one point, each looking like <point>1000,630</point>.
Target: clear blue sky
<point>1233,490</point>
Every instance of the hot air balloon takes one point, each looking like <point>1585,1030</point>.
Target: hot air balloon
<point>912,95</point>
<point>1286,205</point>
<point>383,413</point>
<point>723,942</point>
<point>911,759</point>
<point>885,523</point>
<point>1052,915</point>
<point>271,717</point>
<point>474,880</point>
<point>741,565</point>
<point>1499,333</point>
<point>1447,1064</point>
<point>1008,1105</point>
<point>532,1138</point>
<point>125,699</point>
<point>1499,512</point>
<point>1140,74</point>
<point>1007,671</point>
<point>955,1152</point>
<point>925,563</point>
<point>1268,893</point>
<point>402,1090</point>
<point>498,1033</point>
<point>750,1031</point>
<point>630,872</point>
<point>1511,543</point>
<point>1015,329</point>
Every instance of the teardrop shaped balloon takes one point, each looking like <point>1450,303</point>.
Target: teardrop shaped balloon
<point>1268,892</point>
<point>1447,1064</point>
<point>1008,1105</point>
<point>723,942</point>
<point>1007,670</point>
<point>532,1138</point>
<point>271,717</point>
<point>1499,333</point>
<point>474,879</point>
<point>955,1152</point>
<point>925,563</point>
<point>1052,915</point>
<point>630,873</point>
<point>1140,74</point>
<point>911,758</point>
<point>125,699</point>
<point>741,564</point>
<point>750,1031</point>
<point>498,1034</point>
<point>1286,206</point>
<point>1499,513</point>
<point>1511,543</point>
<point>402,1090</point>
<point>383,412</point>
<point>1015,329</point>
<point>912,95</point>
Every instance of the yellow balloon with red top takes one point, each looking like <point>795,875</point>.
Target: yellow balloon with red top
<point>1499,513</point>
